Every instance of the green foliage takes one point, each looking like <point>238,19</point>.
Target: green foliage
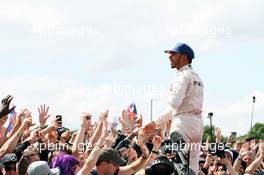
<point>257,131</point>
<point>207,133</point>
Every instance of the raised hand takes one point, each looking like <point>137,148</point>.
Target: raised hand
<point>141,143</point>
<point>149,127</point>
<point>122,117</point>
<point>105,114</point>
<point>224,161</point>
<point>55,123</point>
<point>104,129</point>
<point>261,150</point>
<point>139,121</point>
<point>21,116</point>
<point>208,161</point>
<point>218,135</point>
<point>34,136</point>
<point>244,150</point>
<point>27,121</point>
<point>43,114</point>
<point>132,155</point>
<point>4,106</point>
<point>156,141</point>
<point>142,136</point>
<point>86,120</point>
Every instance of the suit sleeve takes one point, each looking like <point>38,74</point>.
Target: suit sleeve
<point>175,98</point>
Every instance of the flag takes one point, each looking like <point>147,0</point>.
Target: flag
<point>132,111</point>
<point>11,121</point>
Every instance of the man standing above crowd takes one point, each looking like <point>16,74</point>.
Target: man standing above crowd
<point>185,101</point>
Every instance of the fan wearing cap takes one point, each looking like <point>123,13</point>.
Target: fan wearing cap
<point>8,163</point>
<point>42,168</point>
<point>185,101</point>
<point>109,163</point>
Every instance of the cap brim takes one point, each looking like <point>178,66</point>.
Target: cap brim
<point>121,162</point>
<point>169,51</point>
<point>55,171</point>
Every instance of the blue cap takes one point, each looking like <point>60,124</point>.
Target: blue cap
<point>183,49</point>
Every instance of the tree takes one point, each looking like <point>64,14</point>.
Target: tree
<point>207,133</point>
<point>257,132</point>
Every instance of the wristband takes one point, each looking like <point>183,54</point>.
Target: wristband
<point>155,152</point>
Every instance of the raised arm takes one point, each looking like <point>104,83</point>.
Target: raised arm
<point>217,135</point>
<point>93,156</point>
<point>43,115</point>
<point>18,123</point>
<point>4,111</point>
<point>128,139</point>
<point>126,125</point>
<point>243,152</point>
<point>155,150</point>
<point>54,125</point>
<point>98,130</point>
<point>139,163</point>
<point>11,143</point>
<point>257,162</point>
<point>80,134</point>
<point>228,165</point>
<point>4,106</point>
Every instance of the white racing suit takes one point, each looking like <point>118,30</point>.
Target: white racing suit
<point>185,107</point>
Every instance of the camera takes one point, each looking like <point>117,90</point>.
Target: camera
<point>172,161</point>
<point>161,166</point>
<point>218,150</point>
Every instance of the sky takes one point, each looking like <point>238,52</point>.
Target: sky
<point>87,56</point>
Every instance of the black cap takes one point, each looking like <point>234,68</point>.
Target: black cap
<point>8,158</point>
<point>110,155</point>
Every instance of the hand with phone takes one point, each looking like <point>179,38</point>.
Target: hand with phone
<point>232,137</point>
<point>59,120</point>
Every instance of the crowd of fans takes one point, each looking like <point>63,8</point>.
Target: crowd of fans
<point>98,147</point>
